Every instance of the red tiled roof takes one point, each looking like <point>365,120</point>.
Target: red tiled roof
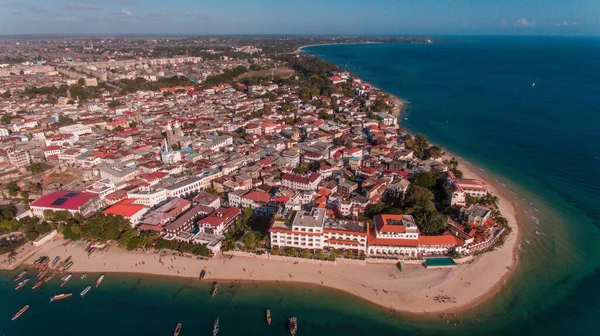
<point>64,200</point>
<point>384,227</point>
<point>220,216</point>
<point>125,208</point>
<point>258,196</point>
<point>445,239</point>
<point>373,240</point>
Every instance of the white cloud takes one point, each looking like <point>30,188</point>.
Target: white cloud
<point>82,6</point>
<point>17,12</point>
<point>523,22</point>
<point>125,12</point>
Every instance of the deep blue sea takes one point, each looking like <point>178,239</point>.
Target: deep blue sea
<point>473,95</point>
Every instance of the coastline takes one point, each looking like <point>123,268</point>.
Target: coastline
<point>299,49</point>
<point>410,291</point>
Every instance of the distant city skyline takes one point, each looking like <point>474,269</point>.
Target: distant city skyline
<point>207,17</point>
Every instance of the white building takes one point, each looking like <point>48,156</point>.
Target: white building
<point>299,182</point>
<point>314,230</point>
<point>148,198</point>
<point>397,236</point>
<point>19,158</point>
<point>118,174</point>
<point>77,129</point>
<point>185,188</point>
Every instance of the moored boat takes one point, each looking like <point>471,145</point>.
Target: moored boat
<point>40,260</point>
<point>177,330</point>
<point>202,274</point>
<point>269,316</point>
<point>293,326</point>
<point>66,279</point>
<point>42,273</point>
<point>68,265</point>
<point>216,289</point>
<point>55,260</point>
<point>20,312</point>
<point>38,284</point>
<point>22,283</point>
<point>85,290</point>
<point>83,276</point>
<point>50,277</point>
<point>60,297</point>
<point>100,279</point>
<point>20,275</point>
<point>216,326</point>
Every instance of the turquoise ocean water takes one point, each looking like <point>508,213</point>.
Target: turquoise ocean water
<point>475,97</point>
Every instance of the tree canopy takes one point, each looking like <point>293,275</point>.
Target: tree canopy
<point>429,222</point>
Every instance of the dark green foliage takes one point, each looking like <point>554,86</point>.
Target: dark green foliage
<point>78,91</point>
<point>425,180</point>
<point>64,121</point>
<point>418,144</point>
<point>430,222</point>
<point>227,76</point>
<point>35,168</point>
<point>419,197</point>
<point>182,247</point>
<point>13,189</point>
<point>141,84</point>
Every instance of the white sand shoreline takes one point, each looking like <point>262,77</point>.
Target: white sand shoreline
<point>410,291</point>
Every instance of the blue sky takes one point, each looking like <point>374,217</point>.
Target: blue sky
<point>547,17</point>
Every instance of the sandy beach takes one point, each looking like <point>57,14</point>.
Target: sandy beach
<point>411,290</point>
<point>299,50</point>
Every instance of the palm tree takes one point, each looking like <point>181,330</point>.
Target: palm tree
<point>76,229</point>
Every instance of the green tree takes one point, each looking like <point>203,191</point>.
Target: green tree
<point>6,118</point>
<point>419,197</point>
<point>425,180</point>
<point>13,188</point>
<point>306,254</point>
<point>64,121</point>
<point>320,255</point>
<point>25,196</point>
<point>429,222</point>
<point>35,168</point>
<point>250,241</point>
<point>291,252</point>
<point>275,250</point>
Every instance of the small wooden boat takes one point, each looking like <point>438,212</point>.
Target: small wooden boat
<point>20,312</point>
<point>293,326</point>
<point>20,275</point>
<point>202,274</point>
<point>216,327</point>
<point>37,285</point>
<point>269,316</point>
<point>215,289</point>
<point>177,330</point>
